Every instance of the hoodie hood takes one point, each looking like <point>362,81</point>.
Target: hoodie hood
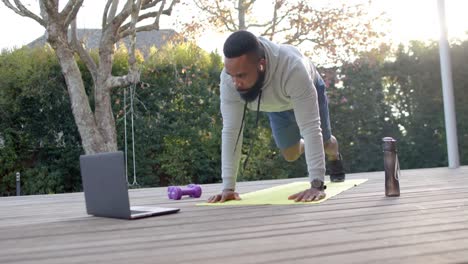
<point>271,56</point>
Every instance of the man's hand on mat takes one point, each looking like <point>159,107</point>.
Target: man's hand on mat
<point>226,195</point>
<point>308,195</point>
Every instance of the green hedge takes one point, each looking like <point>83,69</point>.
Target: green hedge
<point>178,123</point>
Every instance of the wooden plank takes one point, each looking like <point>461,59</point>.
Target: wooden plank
<point>371,207</point>
<point>360,225</point>
<point>448,256</point>
<point>259,248</point>
<point>214,215</point>
<point>208,233</point>
<point>205,236</point>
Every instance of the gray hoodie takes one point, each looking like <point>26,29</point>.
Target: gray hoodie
<point>289,84</point>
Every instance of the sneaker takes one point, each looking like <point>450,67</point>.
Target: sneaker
<point>336,170</point>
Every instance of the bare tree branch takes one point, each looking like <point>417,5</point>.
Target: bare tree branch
<point>218,16</point>
<point>51,6</point>
<point>146,16</point>
<point>113,9</point>
<point>128,32</point>
<point>71,10</point>
<point>122,81</point>
<point>339,30</point>
<point>69,7</point>
<point>247,5</point>
<point>274,21</point>
<point>161,8</point>
<point>84,55</point>
<point>123,15</point>
<point>43,11</point>
<point>282,30</point>
<point>228,19</point>
<point>149,4</point>
<point>124,30</point>
<point>242,11</point>
<point>134,20</point>
<point>257,25</point>
<point>105,14</point>
<point>196,2</point>
<point>171,6</point>
<point>21,10</point>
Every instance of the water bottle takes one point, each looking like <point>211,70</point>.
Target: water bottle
<point>392,167</point>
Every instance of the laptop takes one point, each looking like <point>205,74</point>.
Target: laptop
<point>106,190</point>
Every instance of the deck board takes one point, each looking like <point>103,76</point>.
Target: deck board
<point>427,224</point>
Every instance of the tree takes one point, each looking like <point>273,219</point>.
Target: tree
<point>335,31</point>
<point>96,126</point>
<point>413,92</point>
<point>358,110</point>
<point>177,123</point>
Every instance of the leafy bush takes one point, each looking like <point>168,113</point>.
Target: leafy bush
<point>177,121</point>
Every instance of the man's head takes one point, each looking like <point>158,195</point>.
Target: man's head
<point>245,62</point>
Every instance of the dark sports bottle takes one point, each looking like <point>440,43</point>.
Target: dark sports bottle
<point>392,167</point>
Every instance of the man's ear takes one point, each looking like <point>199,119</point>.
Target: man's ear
<point>262,64</point>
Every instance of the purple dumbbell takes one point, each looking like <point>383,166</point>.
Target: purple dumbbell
<point>192,190</point>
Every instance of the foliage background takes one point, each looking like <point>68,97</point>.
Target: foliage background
<point>177,121</point>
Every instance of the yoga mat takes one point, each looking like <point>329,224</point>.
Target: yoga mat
<point>279,194</point>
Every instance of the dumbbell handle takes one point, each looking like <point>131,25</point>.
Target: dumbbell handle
<point>186,191</point>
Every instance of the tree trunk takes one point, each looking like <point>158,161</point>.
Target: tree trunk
<point>90,135</point>
<point>104,116</point>
<point>91,138</point>
<point>103,104</point>
<point>241,15</point>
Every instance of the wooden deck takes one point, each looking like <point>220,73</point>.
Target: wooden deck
<point>427,224</point>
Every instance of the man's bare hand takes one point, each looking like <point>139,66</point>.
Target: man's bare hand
<point>308,195</point>
<point>226,195</point>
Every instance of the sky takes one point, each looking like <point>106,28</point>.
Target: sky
<point>410,19</point>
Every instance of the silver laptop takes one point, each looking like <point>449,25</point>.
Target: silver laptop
<point>106,191</point>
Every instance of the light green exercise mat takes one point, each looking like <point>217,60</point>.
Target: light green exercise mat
<point>279,194</point>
